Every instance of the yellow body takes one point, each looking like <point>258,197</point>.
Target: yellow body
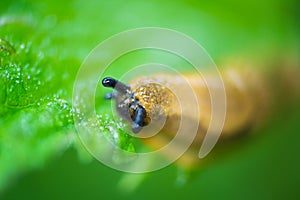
<point>246,100</point>
<point>152,104</point>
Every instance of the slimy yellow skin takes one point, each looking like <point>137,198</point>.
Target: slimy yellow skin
<point>251,92</point>
<point>246,98</point>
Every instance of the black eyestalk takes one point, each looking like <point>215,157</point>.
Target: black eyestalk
<point>117,85</point>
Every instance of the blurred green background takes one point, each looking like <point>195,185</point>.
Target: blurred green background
<point>43,44</point>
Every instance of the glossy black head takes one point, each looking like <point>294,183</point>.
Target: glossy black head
<point>128,105</point>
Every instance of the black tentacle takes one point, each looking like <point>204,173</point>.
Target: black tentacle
<point>138,122</point>
<point>110,95</point>
<point>117,85</point>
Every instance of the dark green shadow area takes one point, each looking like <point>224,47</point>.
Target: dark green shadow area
<point>267,168</point>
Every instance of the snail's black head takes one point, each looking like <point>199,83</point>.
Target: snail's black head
<point>128,105</point>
